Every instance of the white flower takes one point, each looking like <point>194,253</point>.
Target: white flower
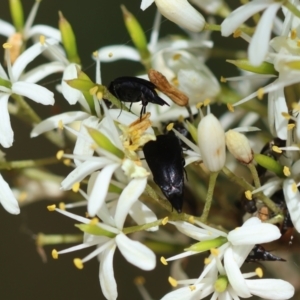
<point>111,236</point>
<point>211,141</point>
<point>21,84</point>
<point>7,198</point>
<point>240,242</point>
<point>179,12</point>
<point>259,44</point>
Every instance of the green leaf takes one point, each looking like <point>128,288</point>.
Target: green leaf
<point>264,68</point>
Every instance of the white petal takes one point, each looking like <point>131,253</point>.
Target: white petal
<point>72,95</point>
<point>42,71</point>
<point>116,52</point>
<point>27,56</point>
<point>129,195</point>
<point>194,231</point>
<point>83,170</point>
<point>234,275</point>
<point>6,132</point>
<point>45,30</point>
<point>136,253</point>
<point>142,214</point>
<point>280,107</point>
<point>84,141</point>
<point>100,189</point>
<point>292,199</point>
<point>260,41</point>
<point>274,289</point>
<point>53,122</point>
<point>3,74</point>
<point>34,92</point>
<point>106,274</point>
<point>255,234</point>
<point>7,198</point>
<point>181,13</point>
<point>241,14</point>
<point>145,4</point>
<point>6,29</point>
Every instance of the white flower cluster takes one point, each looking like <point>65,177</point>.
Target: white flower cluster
<point>109,168</point>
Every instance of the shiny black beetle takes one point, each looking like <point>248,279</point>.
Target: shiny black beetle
<point>165,160</point>
<point>134,89</point>
<point>259,253</point>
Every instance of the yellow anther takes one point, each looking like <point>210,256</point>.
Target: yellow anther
<point>248,195</point>
<point>291,126</point>
<point>172,281</point>
<point>60,154</point>
<point>206,102</point>
<point>294,187</point>
<point>7,45</point>
<point>230,107</point>
<point>181,118</point>
<point>60,125</point>
<point>110,54</point>
<point>75,187</point>
<point>54,254</point>
<point>298,43</point>
<point>93,90</point>
<point>237,33</point>
<point>192,219</point>
<point>139,280</point>
<point>170,126</point>
<point>207,261</point>
<point>78,263</point>
<point>163,261</point>
<point>259,272</point>
<point>286,171</point>
<point>165,221</point>
<point>260,93</point>
<point>286,115</point>
<point>176,56</point>
<point>214,251</point>
<point>22,196</point>
<point>95,54</point>
<point>192,287</point>
<point>199,105</point>
<point>99,95</point>
<point>42,39</point>
<point>62,206</point>
<point>276,149</point>
<point>295,105</point>
<point>94,221</point>
<point>223,79</point>
<point>51,207</point>
<point>67,162</point>
<point>293,34</point>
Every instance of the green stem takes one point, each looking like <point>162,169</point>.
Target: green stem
<point>243,183</point>
<point>292,8</point>
<point>254,173</point>
<point>209,196</point>
<point>20,164</point>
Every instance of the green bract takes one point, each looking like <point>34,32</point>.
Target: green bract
<point>102,141</point>
<point>94,230</point>
<point>207,245</point>
<point>269,163</point>
<point>264,68</point>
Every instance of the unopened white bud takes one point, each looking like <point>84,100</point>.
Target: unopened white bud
<point>182,13</point>
<point>211,141</point>
<point>239,146</point>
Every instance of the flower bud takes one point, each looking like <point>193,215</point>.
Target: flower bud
<point>239,146</point>
<point>211,141</point>
<point>182,13</point>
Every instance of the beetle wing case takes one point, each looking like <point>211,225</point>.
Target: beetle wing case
<point>166,162</point>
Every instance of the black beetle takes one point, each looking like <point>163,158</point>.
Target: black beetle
<point>134,89</point>
<point>259,253</point>
<point>166,162</point>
